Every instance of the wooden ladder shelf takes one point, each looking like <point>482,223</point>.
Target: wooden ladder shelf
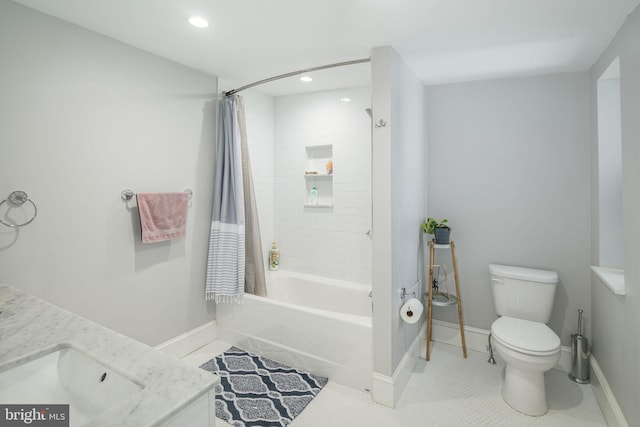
<point>443,301</point>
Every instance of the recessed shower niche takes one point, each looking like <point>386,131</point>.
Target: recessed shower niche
<point>318,176</point>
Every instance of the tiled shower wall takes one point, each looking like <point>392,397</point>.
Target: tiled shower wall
<point>259,112</point>
<point>330,242</point>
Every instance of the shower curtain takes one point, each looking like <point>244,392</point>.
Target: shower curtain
<point>235,262</point>
<point>254,280</point>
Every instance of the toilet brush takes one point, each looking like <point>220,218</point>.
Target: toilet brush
<point>580,366</point>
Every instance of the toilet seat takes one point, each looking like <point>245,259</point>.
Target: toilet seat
<point>525,336</point>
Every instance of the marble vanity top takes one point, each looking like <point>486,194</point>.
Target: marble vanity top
<point>30,327</point>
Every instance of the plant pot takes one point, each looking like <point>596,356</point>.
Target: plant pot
<point>442,235</point>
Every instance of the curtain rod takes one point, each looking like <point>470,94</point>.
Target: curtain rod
<point>295,73</point>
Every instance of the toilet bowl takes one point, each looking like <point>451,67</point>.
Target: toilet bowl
<point>523,297</point>
<point>529,349</point>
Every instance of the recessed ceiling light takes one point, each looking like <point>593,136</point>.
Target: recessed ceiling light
<point>345,100</point>
<point>306,79</point>
<point>198,21</point>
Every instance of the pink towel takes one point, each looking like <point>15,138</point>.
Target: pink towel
<point>163,216</point>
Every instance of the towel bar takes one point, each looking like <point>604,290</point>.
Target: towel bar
<point>127,194</point>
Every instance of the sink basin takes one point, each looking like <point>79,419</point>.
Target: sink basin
<point>66,375</point>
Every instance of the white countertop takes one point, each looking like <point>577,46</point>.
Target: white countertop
<point>30,327</point>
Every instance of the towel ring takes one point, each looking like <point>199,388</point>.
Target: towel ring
<point>17,199</point>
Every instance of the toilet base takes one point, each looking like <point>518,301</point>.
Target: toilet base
<point>524,391</point>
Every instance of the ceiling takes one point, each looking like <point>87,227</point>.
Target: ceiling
<point>442,41</point>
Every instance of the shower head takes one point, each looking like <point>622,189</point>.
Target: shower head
<point>368,110</point>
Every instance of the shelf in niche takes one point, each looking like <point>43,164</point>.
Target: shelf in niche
<point>319,160</point>
<point>317,157</point>
<point>318,205</point>
<point>318,175</point>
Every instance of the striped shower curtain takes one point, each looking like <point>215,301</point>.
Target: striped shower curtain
<point>235,262</point>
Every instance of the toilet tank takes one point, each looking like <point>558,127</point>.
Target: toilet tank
<point>523,293</point>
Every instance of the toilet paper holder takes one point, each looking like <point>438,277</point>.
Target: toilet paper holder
<point>404,293</point>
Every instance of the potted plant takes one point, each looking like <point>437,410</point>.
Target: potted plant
<point>439,228</point>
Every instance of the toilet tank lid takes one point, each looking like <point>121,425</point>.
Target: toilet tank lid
<point>521,273</point>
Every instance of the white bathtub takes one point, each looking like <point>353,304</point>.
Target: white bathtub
<point>312,323</point>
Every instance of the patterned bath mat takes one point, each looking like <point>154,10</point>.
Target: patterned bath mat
<point>257,391</point>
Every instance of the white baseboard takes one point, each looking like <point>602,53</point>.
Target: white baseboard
<point>382,390</point>
<point>477,340</point>
<point>449,333</point>
<point>607,401</point>
<point>190,341</point>
<point>387,390</point>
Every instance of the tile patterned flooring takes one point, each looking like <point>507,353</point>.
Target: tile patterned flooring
<point>447,391</point>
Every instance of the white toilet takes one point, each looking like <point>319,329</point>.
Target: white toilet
<point>523,297</point>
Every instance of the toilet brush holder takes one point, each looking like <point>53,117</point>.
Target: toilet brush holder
<point>580,363</point>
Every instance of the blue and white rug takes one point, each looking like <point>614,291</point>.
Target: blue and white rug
<point>257,391</point>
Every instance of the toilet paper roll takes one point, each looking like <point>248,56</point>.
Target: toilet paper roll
<point>411,310</point>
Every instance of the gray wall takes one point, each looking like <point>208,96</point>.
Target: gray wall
<point>83,116</point>
<point>399,192</point>
<point>616,319</point>
<point>509,167</point>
